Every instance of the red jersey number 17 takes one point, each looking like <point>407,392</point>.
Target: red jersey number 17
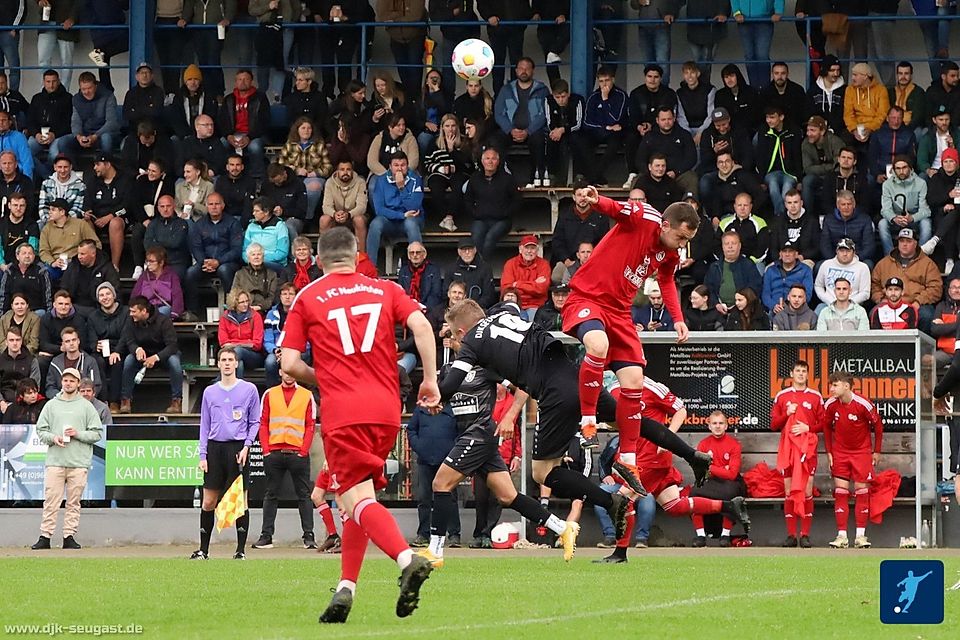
<point>339,315</point>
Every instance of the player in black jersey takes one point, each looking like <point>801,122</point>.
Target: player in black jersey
<point>536,362</point>
<point>476,451</point>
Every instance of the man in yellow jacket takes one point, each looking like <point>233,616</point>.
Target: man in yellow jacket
<point>287,422</point>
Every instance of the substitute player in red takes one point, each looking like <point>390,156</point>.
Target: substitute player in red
<point>798,414</point>
<point>660,477</point>
<point>725,481</point>
<point>641,243</point>
<point>348,321</point>
<point>848,420</point>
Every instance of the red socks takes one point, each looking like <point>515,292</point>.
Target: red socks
<point>790,517</point>
<point>353,546</point>
<point>629,406</point>
<point>862,506</point>
<point>380,526</point>
<point>624,541</point>
<point>683,507</point>
<point>326,514</point>
<point>591,382</point>
<point>841,507</point>
<point>807,518</point>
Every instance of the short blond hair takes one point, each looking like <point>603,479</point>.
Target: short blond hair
<point>464,314</point>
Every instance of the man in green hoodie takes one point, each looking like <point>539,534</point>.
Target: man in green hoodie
<point>69,426</point>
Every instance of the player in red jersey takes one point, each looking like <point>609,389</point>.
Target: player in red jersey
<point>848,420</point>
<point>321,487</point>
<point>641,243</point>
<point>797,414</point>
<point>725,481</point>
<point>348,320</point>
<point>660,477</point>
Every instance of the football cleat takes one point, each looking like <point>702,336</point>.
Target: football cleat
<point>805,542</point>
<point>435,561</point>
<point>330,545</point>
<point>630,476</point>
<point>701,467</point>
<point>611,559</point>
<point>861,542</point>
<point>700,541</point>
<point>339,607</point>
<point>199,555</point>
<point>618,513</point>
<point>790,542</point>
<point>588,433</point>
<point>840,542</point>
<point>410,581</point>
<point>739,513</point>
<point>569,540</point>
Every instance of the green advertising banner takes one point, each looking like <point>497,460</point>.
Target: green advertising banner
<point>153,463</point>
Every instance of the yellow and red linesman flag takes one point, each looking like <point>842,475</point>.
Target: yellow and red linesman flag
<point>232,505</point>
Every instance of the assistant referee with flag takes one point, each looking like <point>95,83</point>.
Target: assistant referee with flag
<point>229,419</point>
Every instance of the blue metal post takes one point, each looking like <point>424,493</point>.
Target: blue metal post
<point>142,14</point>
<point>581,47</point>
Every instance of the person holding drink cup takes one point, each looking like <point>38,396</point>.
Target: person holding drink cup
<point>107,324</point>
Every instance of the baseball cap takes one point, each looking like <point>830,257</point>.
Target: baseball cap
<point>103,157</point>
<point>847,243</point>
<point>144,64</point>
<point>560,288</point>
<point>464,243</point>
<point>720,114</point>
<point>893,282</point>
<point>71,371</point>
<point>788,245</point>
<point>906,233</point>
<point>529,239</point>
<point>817,121</point>
<point>60,203</point>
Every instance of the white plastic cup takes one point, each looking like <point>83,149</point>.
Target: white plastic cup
<point>861,129</point>
<point>46,13</point>
<point>44,131</point>
<point>188,209</point>
<point>66,438</point>
<point>213,314</point>
<point>105,348</point>
<point>221,32</point>
<point>63,259</point>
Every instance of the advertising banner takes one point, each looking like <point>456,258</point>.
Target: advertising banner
<point>22,461</point>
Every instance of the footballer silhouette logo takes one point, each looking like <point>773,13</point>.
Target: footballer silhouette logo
<point>911,592</point>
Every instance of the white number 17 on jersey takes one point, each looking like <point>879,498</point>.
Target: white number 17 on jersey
<point>372,311</point>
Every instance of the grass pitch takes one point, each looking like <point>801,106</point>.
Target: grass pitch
<point>658,594</point>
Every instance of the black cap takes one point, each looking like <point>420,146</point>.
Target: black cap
<point>560,288</point>
<point>847,243</point>
<point>465,243</point>
<point>893,282</point>
<point>104,157</point>
<point>788,245</point>
<point>60,203</point>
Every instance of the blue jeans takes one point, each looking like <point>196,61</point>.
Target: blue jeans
<point>10,53</point>
<point>811,186</point>
<point>47,45</point>
<point>408,361</point>
<point>131,366</point>
<point>271,80</point>
<point>197,276</point>
<point>888,230</point>
<point>69,146</point>
<point>778,183</point>
<point>704,54</point>
<point>936,36</point>
<point>655,48</point>
<point>756,38</point>
<point>41,170</point>
<point>410,228</point>
<point>646,510</point>
<point>248,359</point>
<point>486,234</point>
<point>314,196</point>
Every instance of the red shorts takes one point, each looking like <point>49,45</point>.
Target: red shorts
<point>323,480</point>
<point>856,467</point>
<point>621,333</point>
<point>657,479</point>
<point>356,453</point>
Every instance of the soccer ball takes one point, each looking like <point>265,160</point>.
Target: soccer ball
<point>472,59</point>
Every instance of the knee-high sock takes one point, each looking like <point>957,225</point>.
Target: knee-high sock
<point>243,527</point>
<point>862,506</point>
<point>537,513</point>
<point>326,514</point>
<point>380,526</point>
<point>629,406</point>
<point>807,518</point>
<point>443,510</point>
<point>591,382</point>
<point>790,517</point>
<point>660,435</point>
<point>727,524</point>
<point>697,521</point>
<point>686,506</point>
<point>567,483</point>
<point>841,508</point>
<point>624,541</point>
<point>353,547</point>
<point>206,530</point>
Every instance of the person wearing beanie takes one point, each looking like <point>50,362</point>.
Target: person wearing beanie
<point>208,42</point>
<point>106,325</point>
<point>826,95</point>
<point>190,101</point>
<point>943,192</point>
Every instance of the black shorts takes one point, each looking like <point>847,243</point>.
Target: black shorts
<point>222,467</point>
<point>718,489</point>
<point>476,452</point>
<point>558,404</point>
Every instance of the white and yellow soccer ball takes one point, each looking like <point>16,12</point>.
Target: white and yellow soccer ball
<point>472,59</point>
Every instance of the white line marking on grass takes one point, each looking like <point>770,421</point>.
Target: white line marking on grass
<point>640,608</point>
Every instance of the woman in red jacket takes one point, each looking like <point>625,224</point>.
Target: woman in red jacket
<point>242,328</point>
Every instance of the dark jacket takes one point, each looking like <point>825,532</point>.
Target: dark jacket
<point>676,144</point>
<point>82,282</point>
<point>135,156</point>
<point>20,413</point>
<point>443,11</point>
<point>289,273</point>
<point>493,198</point>
<point>643,105</point>
<point>804,232</point>
<point>34,284</point>
<point>155,335</point>
<point>479,280</point>
<point>116,198</point>
<point>707,31</point>
<point>142,103</point>
<point>739,143</point>
<point>291,196</point>
<point>726,191</point>
<point>95,116</point>
<point>238,195</point>
<point>180,114</point>
<point>146,191</point>
<point>51,326</point>
<point>15,369</point>
<point>431,283</point>
<point>828,104</point>
<point>660,193</point>
<point>173,234</point>
<point>886,143</point>
<point>222,241</point>
<point>939,100</point>
<point>789,159</point>
<point>50,110</point>
<point>110,326</point>
<point>735,321</point>
<point>547,317</point>
<point>432,437</point>
<point>745,274</point>
<point>571,230</point>
<point>793,101</point>
<point>310,103</point>
<point>939,186</point>
<point>745,107</point>
<point>599,113</point>
<point>258,108</point>
<point>709,320</point>
<point>569,118</point>
<point>857,184</point>
<point>859,228</point>
<point>210,150</point>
